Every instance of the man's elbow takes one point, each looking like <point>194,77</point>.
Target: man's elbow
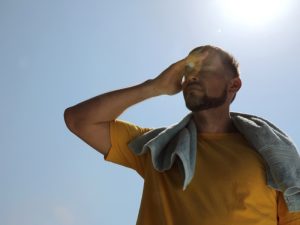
<point>69,119</point>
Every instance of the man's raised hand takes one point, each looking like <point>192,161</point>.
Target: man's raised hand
<point>169,81</point>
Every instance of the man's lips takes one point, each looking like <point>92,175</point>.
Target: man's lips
<point>194,87</point>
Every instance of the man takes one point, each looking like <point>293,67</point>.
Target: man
<point>229,182</point>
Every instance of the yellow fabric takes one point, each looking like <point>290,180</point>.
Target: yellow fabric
<point>228,188</point>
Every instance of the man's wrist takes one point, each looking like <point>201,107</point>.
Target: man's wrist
<point>152,88</point>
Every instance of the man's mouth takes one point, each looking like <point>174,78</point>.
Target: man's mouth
<point>194,86</point>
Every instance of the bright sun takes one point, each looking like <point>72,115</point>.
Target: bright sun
<point>254,12</point>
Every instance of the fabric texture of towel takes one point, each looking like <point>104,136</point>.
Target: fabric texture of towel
<point>282,160</point>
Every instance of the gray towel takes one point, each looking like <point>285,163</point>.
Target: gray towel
<point>282,161</point>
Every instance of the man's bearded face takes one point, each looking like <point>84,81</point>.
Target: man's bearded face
<point>205,85</point>
<point>196,100</point>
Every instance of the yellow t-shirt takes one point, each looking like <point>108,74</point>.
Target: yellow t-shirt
<point>228,188</point>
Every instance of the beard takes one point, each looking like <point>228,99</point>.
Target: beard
<point>198,103</point>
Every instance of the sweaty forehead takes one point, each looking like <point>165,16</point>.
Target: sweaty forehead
<point>211,58</point>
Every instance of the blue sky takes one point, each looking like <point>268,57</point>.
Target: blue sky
<point>55,54</point>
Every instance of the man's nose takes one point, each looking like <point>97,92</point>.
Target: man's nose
<point>192,77</point>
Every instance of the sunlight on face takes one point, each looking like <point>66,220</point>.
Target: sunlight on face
<point>254,12</point>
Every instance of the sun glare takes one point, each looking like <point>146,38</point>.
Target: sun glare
<point>253,12</point>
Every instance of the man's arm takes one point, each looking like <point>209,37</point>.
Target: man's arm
<point>89,120</point>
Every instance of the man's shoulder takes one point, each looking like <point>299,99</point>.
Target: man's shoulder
<point>124,126</point>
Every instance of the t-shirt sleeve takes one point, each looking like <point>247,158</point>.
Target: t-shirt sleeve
<point>121,133</point>
<point>284,216</point>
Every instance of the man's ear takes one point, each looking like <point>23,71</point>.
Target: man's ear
<point>235,85</point>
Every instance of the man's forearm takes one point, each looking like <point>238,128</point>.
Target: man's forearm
<point>109,106</point>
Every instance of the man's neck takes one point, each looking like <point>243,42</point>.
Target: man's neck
<point>216,120</point>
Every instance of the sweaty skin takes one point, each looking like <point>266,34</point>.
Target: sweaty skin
<point>195,59</point>
<point>193,63</point>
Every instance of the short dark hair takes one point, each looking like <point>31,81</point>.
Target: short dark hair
<point>228,59</point>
